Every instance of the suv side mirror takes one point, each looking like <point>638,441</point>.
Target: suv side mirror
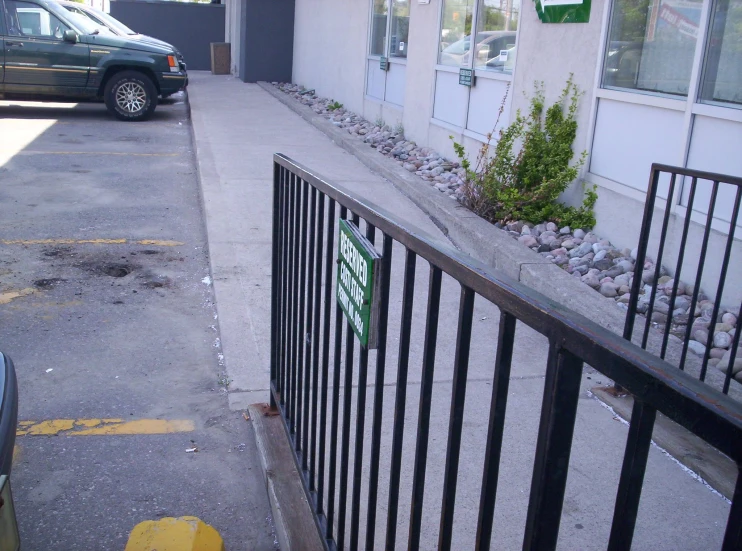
<point>69,36</point>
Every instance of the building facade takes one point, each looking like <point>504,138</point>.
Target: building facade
<point>662,82</point>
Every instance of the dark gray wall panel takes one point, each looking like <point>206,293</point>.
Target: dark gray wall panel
<point>268,47</point>
<point>189,27</point>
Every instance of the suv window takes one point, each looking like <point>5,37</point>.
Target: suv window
<point>27,19</point>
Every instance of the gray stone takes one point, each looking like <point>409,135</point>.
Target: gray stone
<point>722,340</point>
<point>729,318</point>
<point>659,317</point>
<point>579,234</point>
<point>561,251</point>
<point>545,248</point>
<point>591,280</point>
<point>608,290</point>
<point>626,265</point>
<point>661,307</point>
<point>717,352</point>
<point>442,187</point>
<point>699,335</point>
<point>528,240</point>
<point>622,279</point>
<point>680,317</point>
<point>546,239</point>
<point>725,327</point>
<point>600,255</point>
<point>551,226</point>
<point>697,348</point>
<point>581,269</point>
<point>566,230</point>
<point>624,298</point>
<point>623,289</point>
<point>568,244</point>
<point>604,264</point>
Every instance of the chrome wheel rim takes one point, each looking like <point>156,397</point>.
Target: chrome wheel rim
<point>131,97</point>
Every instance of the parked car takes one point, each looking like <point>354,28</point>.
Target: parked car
<point>52,54</point>
<point>112,25</point>
<point>9,538</point>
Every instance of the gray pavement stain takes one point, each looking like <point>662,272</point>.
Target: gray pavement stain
<point>105,314</point>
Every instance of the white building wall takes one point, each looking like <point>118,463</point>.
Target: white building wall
<point>330,41</point>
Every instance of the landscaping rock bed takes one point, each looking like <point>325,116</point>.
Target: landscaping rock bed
<point>595,261</point>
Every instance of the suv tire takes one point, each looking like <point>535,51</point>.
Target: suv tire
<point>130,96</point>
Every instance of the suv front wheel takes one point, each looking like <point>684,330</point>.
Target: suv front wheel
<point>130,96</point>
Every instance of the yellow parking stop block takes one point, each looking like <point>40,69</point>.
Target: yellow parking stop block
<point>174,534</point>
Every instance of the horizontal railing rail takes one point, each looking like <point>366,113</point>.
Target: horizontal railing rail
<point>309,356</point>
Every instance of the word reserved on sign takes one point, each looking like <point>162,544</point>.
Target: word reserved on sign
<point>357,282</point>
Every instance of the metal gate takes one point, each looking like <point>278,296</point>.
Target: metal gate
<point>314,364</point>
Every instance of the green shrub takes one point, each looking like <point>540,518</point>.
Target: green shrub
<point>521,176</point>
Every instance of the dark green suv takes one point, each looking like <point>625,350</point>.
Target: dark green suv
<point>51,54</point>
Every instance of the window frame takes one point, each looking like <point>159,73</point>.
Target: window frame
<point>387,36</point>
<point>479,71</point>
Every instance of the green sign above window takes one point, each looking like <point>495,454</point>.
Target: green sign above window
<point>357,282</point>
<point>466,77</point>
<point>563,11</point>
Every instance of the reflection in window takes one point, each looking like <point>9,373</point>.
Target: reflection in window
<point>722,80</point>
<point>24,18</point>
<point>497,23</point>
<point>378,28</point>
<point>455,39</point>
<point>400,28</point>
<point>651,44</point>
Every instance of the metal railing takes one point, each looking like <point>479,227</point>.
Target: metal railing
<point>307,362</point>
<point>678,180</point>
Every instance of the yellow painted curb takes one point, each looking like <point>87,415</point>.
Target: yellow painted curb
<point>174,534</point>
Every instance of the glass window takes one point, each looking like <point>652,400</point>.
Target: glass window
<point>497,23</point>
<point>456,26</point>
<point>722,79</point>
<point>400,28</point>
<point>378,28</point>
<point>26,19</point>
<point>651,44</point>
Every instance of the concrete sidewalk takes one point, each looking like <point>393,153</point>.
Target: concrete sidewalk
<point>237,127</point>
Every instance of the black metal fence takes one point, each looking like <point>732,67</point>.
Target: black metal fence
<point>308,359</point>
<point>686,257</point>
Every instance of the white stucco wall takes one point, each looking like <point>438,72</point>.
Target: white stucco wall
<point>330,41</point>
<point>233,32</point>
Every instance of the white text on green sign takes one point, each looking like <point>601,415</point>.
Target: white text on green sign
<point>356,282</point>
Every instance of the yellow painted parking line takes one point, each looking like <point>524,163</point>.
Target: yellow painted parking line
<point>114,153</point>
<point>7,296</point>
<point>99,427</point>
<point>121,241</point>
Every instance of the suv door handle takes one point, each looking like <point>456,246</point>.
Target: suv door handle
<point>12,43</point>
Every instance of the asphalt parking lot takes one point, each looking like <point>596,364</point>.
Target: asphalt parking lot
<point>107,310</point>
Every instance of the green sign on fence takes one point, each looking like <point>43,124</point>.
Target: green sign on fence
<point>357,282</point>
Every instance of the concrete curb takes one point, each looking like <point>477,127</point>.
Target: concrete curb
<point>292,515</point>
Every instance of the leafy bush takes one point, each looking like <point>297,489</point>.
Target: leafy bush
<point>522,175</point>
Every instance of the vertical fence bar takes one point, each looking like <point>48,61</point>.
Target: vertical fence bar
<point>355,504</point>
<point>641,252</point>
<point>658,261</point>
<point>385,275</point>
<point>301,335</point>
<point>733,353</point>
<point>408,296</point>
<point>325,353</point>
<point>291,292</point>
<point>295,340</point>
<point>335,404</point>
<point>274,285</point>
<point>423,422</point>
<point>345,443</point>
<point>699,276</point>
<point>498,406</point>
<point>456,418</point>
<point>558,413</point>
<point>632,476</point>
<point>308,336</point>
<point>286,306</point>
<point>316,344</point>
<point>733,534</point>
<point>281,291</point>
<point>720,288</point>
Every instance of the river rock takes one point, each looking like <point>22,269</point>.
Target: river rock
<point>697,348</point>
<point>528,240</point>
<point>722,340</point>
